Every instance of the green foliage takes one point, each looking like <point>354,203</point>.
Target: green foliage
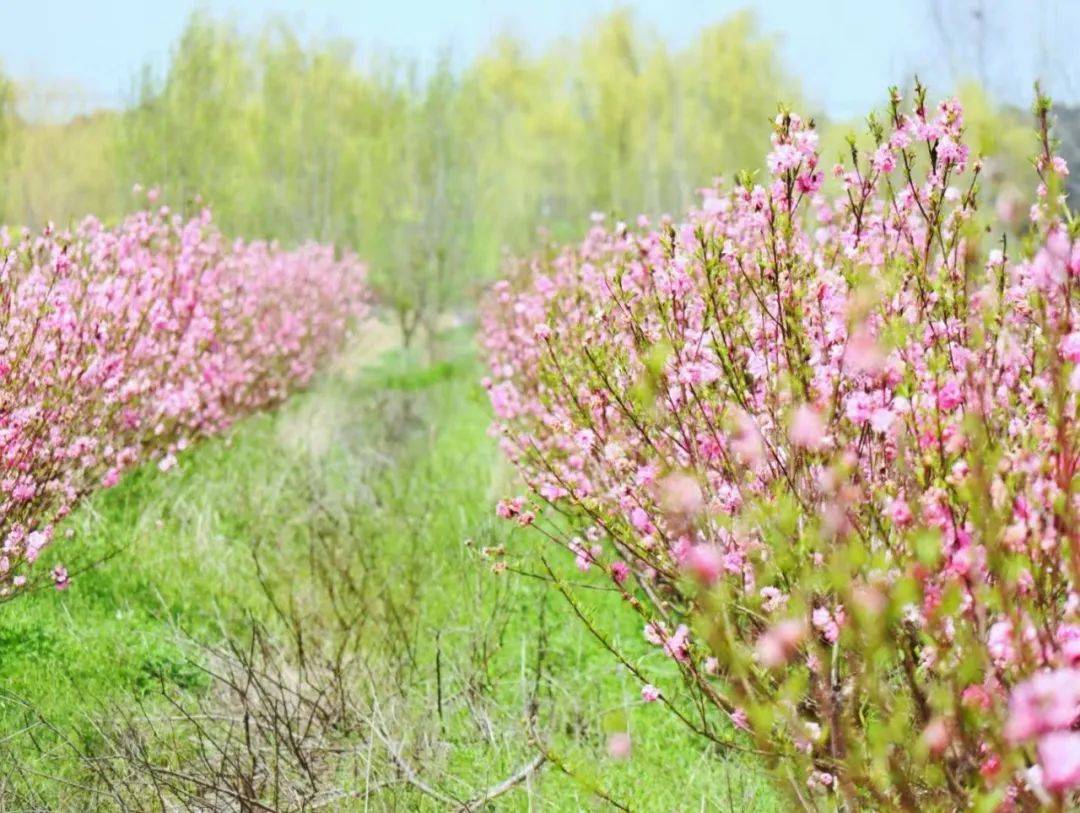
<point>431,172</point>
<point>194,133</point>
<point>617,122</point>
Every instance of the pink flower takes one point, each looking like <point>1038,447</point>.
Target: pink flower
<point>976,697</point>
<point>999,643</point>
<point>809,182</point>
<point>900,512</point>
<point>863,354</point>
<point>508,509</point>
<point>1046,702</point>
<point>884,160</point>
<point>1059,756</point>
<point>825,624</point>
<point>881,420</point>
<point>785,157</point>
<point>740,720</point>
<point>640,520</point>
<point>706,562</point>
<point>936,736</point>
<point>1070,347</point>
<point>778,644</point>
<point>645,475</point>
<point>677,645</point>
<point>649,693</point>
<point>747,443</point>
<point>585,556</point>
<point>772,599</point>
<point>60,577</point>
<point>680,495</point>
<point>23,492</point>
<point>820,779</point>
<point>858,407</point>
<point>35,542</point>
<point>950,396</point>
<point>620,572</point>
<point>655,633</point>
<point>619,745</point>
<point>807,429</point>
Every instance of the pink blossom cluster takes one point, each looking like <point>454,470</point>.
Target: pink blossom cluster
<point>123,345</point>
<point>826,433</point>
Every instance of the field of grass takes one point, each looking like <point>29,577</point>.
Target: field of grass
<point>301,617</point>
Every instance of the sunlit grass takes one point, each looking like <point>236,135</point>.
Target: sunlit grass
<point>399,457</point>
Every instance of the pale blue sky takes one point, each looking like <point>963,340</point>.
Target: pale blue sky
<point>845,52</point>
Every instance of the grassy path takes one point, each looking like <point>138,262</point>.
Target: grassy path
<point>314,579</point>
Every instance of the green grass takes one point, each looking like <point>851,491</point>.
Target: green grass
<point>390,473</point>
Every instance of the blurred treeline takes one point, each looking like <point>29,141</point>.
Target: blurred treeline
<point>429,171</point>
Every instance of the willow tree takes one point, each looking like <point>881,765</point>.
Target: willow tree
<point>190,132</point>
<point>8,124</point>
<point>427,189</point>
<point>432,173</point>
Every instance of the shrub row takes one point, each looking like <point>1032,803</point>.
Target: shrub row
<point>822,438</point>
<point>123,345</point>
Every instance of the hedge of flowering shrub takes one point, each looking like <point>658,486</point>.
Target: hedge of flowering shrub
<point>123,345</point>
<point>824,444</point>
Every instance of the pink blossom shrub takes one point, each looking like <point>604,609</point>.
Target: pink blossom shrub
<point>123,345</point>
<point>822,439</point>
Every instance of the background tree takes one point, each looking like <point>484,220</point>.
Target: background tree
<point>432,172</point>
